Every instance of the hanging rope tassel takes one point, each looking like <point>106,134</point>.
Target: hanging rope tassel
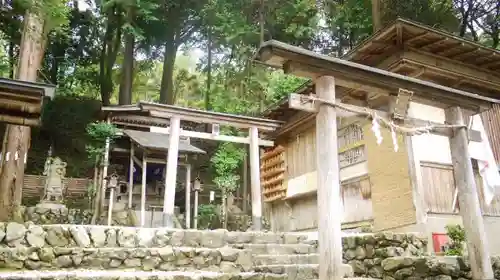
<point>376,130</point>
<point>394,139</point>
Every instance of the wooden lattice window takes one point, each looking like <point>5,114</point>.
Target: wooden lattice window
<point>349,135</point>
<point>272,168</point>
<point>351,150</point>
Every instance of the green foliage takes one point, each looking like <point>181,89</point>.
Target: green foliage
<point>64,123</point>
<point>225,163</point>
<point>456,233</point>
<point>98,132</point>
<point>54,12</point>
<point>207,216</point>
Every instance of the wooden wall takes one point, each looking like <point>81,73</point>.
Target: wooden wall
<point>300,153</point>
<point>439,190</point>
<point>298,211</point>
<point>75,188</point>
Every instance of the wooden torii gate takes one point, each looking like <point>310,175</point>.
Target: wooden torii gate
<point>172,116</point>
<point>327,73</point>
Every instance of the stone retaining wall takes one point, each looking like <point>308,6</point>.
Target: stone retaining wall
<point>439,268</point>
<point>366,252</point>
<point>46,216</point>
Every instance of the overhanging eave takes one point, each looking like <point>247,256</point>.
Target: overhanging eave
<point>308,64</point>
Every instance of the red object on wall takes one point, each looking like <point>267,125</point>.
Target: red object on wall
<point>439,242</point>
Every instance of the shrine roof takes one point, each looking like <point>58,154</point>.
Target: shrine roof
<point>21,102</point>
<point>159,141</point>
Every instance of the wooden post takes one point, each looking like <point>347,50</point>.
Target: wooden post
<point>255,179</point>
<point>244,195</point>
<point>195,214</point>
<point>171,177</point>
<point>470,210</point>
<point>104,172</point>
<point>188,196</point>
<point>110,205</point>
<point>329,204</point>
<point>131,176</point>
<point>143,190</point>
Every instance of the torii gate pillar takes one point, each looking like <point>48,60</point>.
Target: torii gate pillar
<point>329,203</point>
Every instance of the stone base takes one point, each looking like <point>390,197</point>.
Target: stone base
<point>53,213</point>
<point>50,205</point>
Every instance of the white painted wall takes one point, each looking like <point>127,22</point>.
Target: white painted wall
<point>435,148</point>
<point>430,147</point>
<point>308,182</point>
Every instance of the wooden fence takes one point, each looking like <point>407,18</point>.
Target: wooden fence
<point>74,187</point>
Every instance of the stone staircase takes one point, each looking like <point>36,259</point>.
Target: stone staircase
<point>98,252</point>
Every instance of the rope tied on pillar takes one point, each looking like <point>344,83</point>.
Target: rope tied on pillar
<point>372,115</point>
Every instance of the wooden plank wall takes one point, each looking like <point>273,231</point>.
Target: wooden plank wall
<point>491,122</point>
<point>34,184</point>
<point>300,154</point>
<point>357,200</point>
<point>439,189</point>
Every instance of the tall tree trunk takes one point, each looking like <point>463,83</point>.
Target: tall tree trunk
<point>109,52</point>
<point>209,71</point>
<point>127,78</point>
<point>167,80</point>
<point>262,21</point>
<point>376,15</point>
<point>18,137</point>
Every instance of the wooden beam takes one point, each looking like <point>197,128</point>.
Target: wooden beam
<point>470,209</point>
<point>417,37</point>
<point>19,120</point>
<point>255,179</point>
<point>312,72</point>
<point>453,67</point>
<point>468,52</point>
<point>314,65</point>
<point>428,45</point>
<point>489,64</point>
<point>329,203</point>
<point>223,138</point>
<point>171,177</point>
<point>199,116</point>
<point>474,135</point>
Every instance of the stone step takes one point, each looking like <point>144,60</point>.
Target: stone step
<point>278,249</point>
<point>299,271</point>
<point>169,258</point>
<point>136,275</point>
<point>286,259</point>
<point>110,236</point>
